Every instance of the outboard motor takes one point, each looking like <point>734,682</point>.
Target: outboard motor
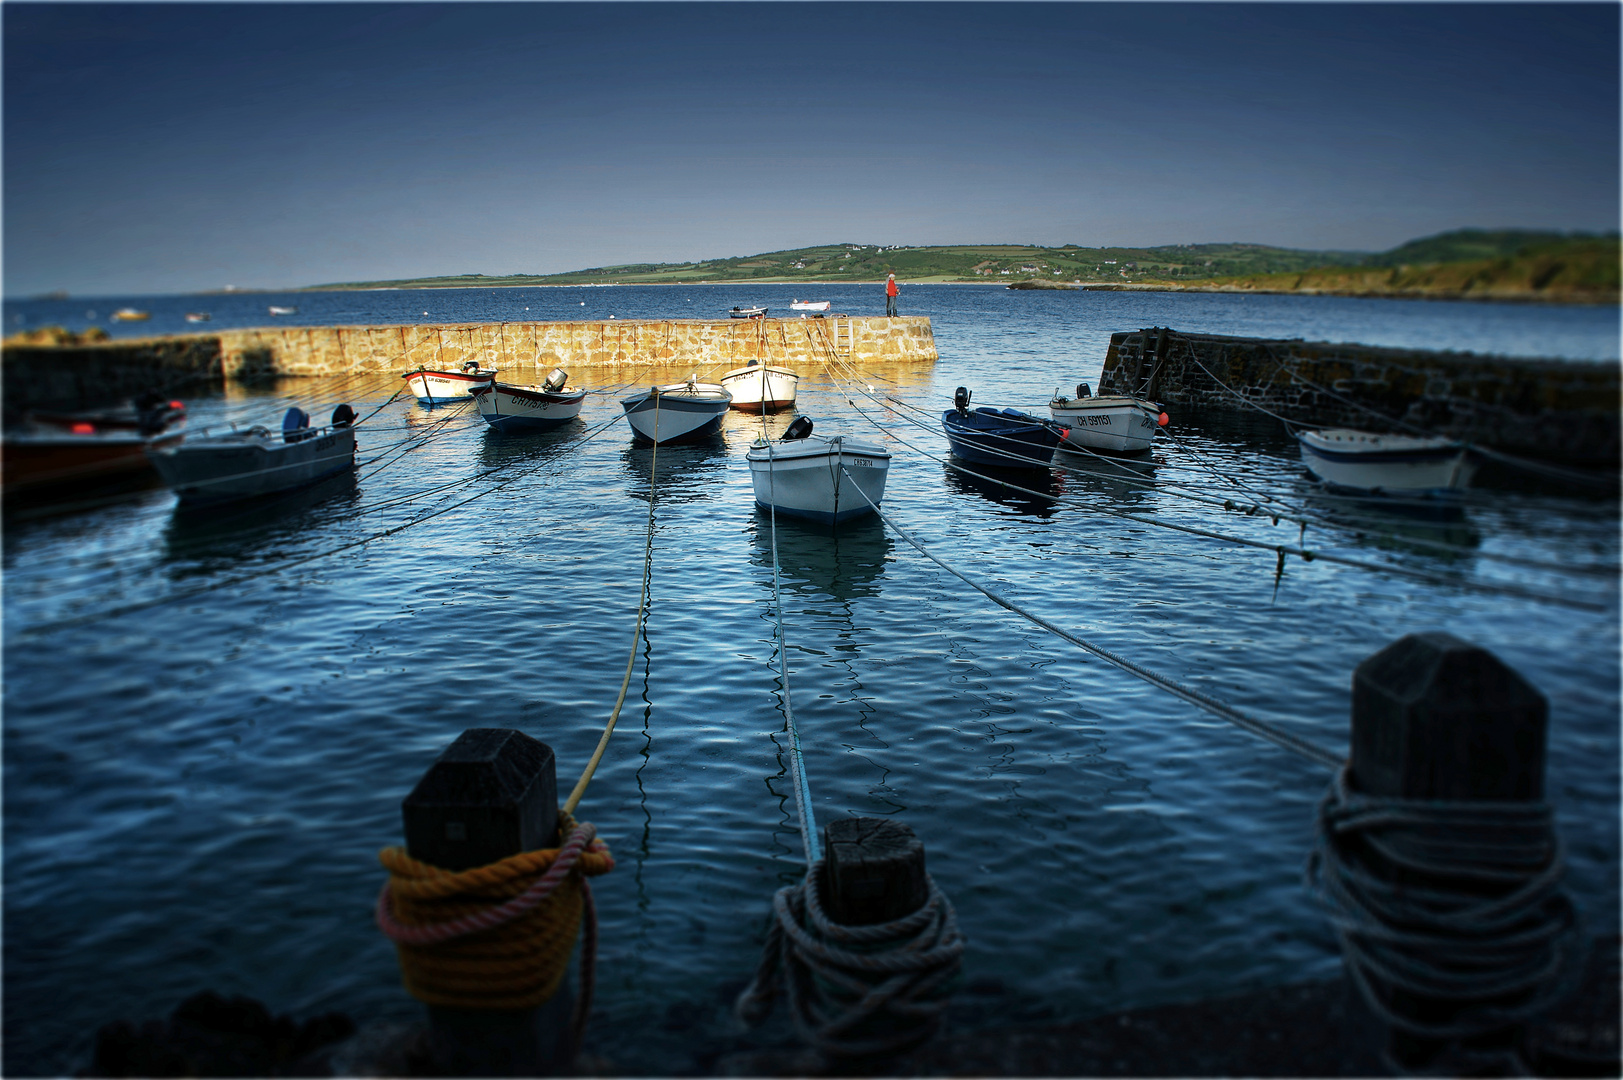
<point>343,416</point>
<point>960,400</point>
<point>1082,390</point>
<point>470,367</point>
<point>295,425</point>
<point>556,380</point>
<point>799,428</point>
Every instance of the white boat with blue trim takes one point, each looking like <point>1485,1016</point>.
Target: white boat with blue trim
<point>677,412</point>
<point>827,479</point>
<point>1387,464</point>
<point>1111,423</point>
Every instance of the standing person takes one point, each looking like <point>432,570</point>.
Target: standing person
<point>890,295</point>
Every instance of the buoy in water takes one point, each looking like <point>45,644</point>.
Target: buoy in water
<point>1163,419</point>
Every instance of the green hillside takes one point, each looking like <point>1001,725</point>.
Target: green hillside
<point>1505,263</point>
<point>1521,266</point>
<point>867,262</point>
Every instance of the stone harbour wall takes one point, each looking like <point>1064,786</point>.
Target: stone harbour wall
<point>93,375</point>
<point>1554,410</point>
<point>613,345</point>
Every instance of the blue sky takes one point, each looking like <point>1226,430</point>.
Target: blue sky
<point>166,148</point>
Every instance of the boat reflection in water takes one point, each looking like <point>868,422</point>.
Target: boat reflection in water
<point>501,447</point>
<point>1120,479</point>
<point>1012,488</point>
<point>686,472</point>
<point>208,536</point>
<point>818,560</point>
<point>1391,522</point>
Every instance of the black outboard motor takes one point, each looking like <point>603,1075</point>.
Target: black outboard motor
<point>555,381</point>
<point>960,400</point>
<point>799,428</point>
<point>343,416</point>
<point>1082,390</point>
<point>471,366</point>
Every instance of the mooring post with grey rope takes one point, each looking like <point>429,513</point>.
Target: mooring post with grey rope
<point>865,951</point>
<point>1439,859</point>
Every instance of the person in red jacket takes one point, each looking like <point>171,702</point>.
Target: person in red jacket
<point>890,295</point>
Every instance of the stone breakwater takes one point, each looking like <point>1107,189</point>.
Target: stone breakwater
<point>618,346</point>
<point>1554,410</point>
<point>90,375</point>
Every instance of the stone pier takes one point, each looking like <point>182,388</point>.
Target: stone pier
<point>1554,410</point>
<point>94,374</point>
<point>612,347</point>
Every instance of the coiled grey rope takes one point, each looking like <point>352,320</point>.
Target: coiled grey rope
<point>1477,920</point>
<point>855,991</point>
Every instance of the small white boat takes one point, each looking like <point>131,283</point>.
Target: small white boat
<point>197,316</point>
<point>436,387</point>
<point>244,464</point>
<point>677,412</point>
<point>274,310</point>
<point>809,305</point>
<point>129,314</point>
<point>747,313</point>
<point>507,407</point>
<point>815,477</point>
<point>1118,424</point>
<point>759,388</point>
<point>1392,464</point>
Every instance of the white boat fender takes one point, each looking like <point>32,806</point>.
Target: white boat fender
<point>556,380</point>
<point>798,429</point>
<point>295,425</point>
<point>960,400</point>
<point>343,416</point>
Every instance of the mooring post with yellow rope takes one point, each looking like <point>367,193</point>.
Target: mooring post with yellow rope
<point>485,904</point>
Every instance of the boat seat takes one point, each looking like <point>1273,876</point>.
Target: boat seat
<point>296,425</point>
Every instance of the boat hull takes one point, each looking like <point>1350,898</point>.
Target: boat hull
<point>680,412</point>
<point>433,387</point>
<point>231,467</point>
<point>761,388</point>
<point>1000,438</point>
<point>818,479</point>
<point>526,408</point>
<point>1395,464</point>
<point>1121,425</point>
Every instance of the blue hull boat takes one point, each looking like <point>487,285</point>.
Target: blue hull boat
<point>1006,438</point>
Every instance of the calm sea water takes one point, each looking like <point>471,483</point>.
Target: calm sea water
<point>195,792</point>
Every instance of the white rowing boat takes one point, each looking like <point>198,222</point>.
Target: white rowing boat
<point>825,479</point>
<point>677,412</point>
<point>761,388</point>
<point>1406,464</point>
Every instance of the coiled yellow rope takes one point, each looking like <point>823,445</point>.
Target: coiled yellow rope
<point>497,936</point>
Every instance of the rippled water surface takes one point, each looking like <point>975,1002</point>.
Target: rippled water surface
<point>195,790</point>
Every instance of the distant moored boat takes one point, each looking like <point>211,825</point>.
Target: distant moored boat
<point>129,314</point>
<point>274,310</point>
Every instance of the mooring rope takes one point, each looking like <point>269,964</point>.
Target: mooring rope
<point>797,763</point>
<point>1453,904</point>
<point>855,991</point>
<point>1217,708</point>
<point>1307,555</point>
<point>1286,511</point>
<point>243,579</point>
<point>636,636</point>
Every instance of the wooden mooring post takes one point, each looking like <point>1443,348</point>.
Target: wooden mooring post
<point>1435,718</point>
<point>491,794</point>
